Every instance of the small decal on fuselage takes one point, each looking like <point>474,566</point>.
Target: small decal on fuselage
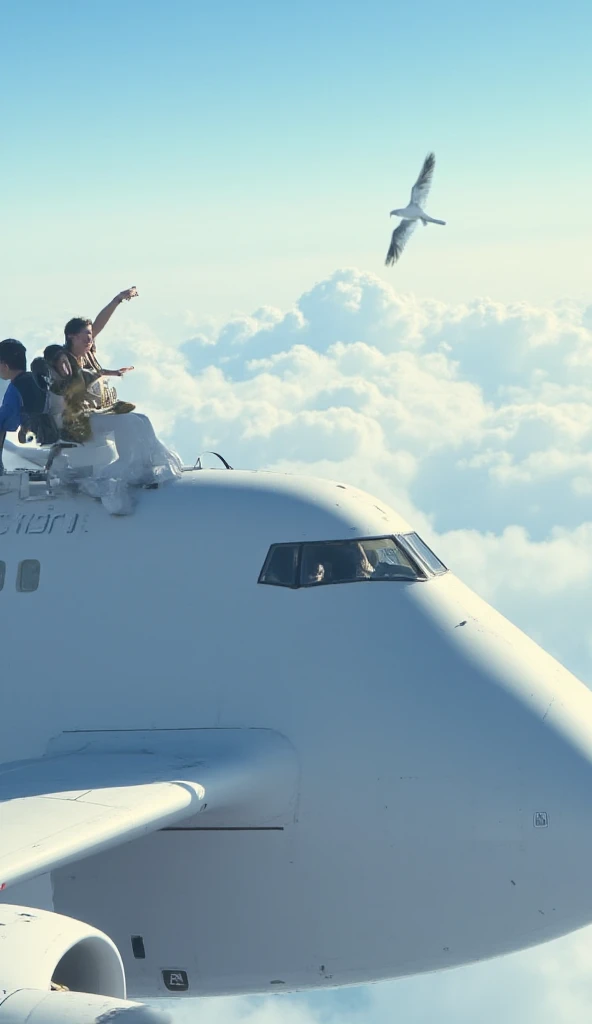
<point>541,819</point>
<point>176,981</point>
<point>62,523</point>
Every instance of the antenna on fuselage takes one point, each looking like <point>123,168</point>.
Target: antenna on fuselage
<point>198,465</point>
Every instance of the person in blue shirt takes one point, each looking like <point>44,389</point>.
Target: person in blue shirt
<point>13,362</point>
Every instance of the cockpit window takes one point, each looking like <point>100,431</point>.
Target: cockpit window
<point>354,560</point>
<point>417,547</point>
<point>281,565</point>
<point>340,561</point>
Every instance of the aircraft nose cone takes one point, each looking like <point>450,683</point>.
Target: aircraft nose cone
<point>544,832</point>
<point>507,733</point>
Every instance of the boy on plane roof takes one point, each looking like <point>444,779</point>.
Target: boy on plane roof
<point>13,363</point>
<point>25,399</point>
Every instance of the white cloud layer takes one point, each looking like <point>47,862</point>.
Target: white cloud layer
<point>475,420</point>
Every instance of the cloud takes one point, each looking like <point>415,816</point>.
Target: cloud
<point>490,402</point>
<point>475,420</point>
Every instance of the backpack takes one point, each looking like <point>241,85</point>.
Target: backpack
<point>33,388</point>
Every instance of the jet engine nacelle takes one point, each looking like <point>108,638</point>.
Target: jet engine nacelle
<point>40,949</point>
<point>29,1006</point>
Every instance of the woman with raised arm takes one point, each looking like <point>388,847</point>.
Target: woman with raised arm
<point>90,408</point>
<point>80,334</point>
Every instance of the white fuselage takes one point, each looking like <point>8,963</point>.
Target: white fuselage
<point>445,761</point>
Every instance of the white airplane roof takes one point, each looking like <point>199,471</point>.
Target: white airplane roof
<point>290,508</point>
<point>293,508</point>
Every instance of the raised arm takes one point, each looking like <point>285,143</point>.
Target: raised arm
<point>116,373</point>
<point>105,315</point>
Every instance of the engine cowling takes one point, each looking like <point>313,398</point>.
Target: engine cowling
<point>29,1006</point>
<point>38,948</point>
<point>41,951</point>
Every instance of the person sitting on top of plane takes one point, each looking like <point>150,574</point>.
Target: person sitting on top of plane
<point>56,369</point>
<point>142,458</point>
<point>13,361</point>
<point>57,360</point>
<point>74,395</point>
<point>25,403</point>
<point>70,402</point>
<point>80,334</point>
<point>89,405</point>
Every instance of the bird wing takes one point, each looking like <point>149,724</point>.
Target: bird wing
<point>399,238</point>
<point>420,191</point>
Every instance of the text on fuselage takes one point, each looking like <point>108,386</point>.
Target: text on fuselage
<point>44,523</point>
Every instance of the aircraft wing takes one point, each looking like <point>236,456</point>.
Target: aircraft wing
<point>49,823</point>
<point>61,807</point>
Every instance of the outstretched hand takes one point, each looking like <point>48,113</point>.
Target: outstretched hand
<point>124,369</point>
<point>128,293</point>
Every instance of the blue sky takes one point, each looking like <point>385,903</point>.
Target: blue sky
<point>234,152</point>
<point>237,162</point>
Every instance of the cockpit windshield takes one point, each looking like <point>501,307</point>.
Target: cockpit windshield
<point>374,559</point>
<point>418,548</point>
<point>348,561</point>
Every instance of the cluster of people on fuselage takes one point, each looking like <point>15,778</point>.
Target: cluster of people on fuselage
<point>66,397</point>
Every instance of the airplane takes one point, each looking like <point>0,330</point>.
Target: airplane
<point>257,737</point>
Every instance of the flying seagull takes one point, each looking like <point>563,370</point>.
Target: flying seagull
<point>413,212</point>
